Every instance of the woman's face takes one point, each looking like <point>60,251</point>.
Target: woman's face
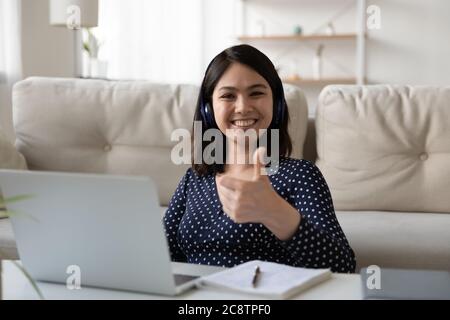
<point>242,99</point>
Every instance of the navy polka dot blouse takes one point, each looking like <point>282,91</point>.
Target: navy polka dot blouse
<point>198,231</point>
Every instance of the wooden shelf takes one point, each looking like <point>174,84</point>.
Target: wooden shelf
<point>343,36</point>
<point>350,38</point>
<point>320,82</point>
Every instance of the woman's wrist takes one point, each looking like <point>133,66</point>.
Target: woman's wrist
<point>282,219</point>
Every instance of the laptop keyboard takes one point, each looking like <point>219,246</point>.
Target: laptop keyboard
<point>181,278</point>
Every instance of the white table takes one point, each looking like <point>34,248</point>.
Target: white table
<point>16,286</point>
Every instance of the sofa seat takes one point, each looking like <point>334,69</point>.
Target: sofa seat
<point>402,240</point>
<point>398,239</point>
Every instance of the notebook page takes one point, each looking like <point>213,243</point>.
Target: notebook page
<point>275,280</point>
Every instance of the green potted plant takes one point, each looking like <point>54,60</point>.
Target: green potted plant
<point>4,212</point>
<point>95,68</point>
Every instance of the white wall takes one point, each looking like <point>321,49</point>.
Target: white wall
<point>280,17</point>
<point>219,28</point>
<point>46,50</point>
<point>412,46</point>
<point>223,21</point>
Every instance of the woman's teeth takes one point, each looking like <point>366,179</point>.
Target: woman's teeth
<point>244,123</point>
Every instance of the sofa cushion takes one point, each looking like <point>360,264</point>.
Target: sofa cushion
<point>409,240</point>
<point>116,127</point>
<point>385,147</point>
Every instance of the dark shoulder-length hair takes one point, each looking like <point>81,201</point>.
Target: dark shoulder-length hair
<point>259,62</point>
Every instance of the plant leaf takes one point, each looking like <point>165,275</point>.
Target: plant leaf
<point>15,199</point>
<point>86,47</point>
<point>30,279</point>
<point>9,214</point>
<point>26,274</point>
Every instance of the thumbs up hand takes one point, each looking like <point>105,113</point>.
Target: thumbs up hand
<point>255,201</point>
<point>259,169</point>
<point>243,200</point>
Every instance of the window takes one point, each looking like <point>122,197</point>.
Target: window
<point>158,40</point>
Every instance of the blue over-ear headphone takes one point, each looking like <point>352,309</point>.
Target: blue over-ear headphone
<point>208,117</point>
<point>281,110</point>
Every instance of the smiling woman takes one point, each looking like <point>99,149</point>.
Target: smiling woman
<point>241,90</point>
<point>237,87</point>
<point>228,213</point>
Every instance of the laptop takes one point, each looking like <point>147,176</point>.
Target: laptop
<point>108,228</point>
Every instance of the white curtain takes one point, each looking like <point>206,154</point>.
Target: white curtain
<point>157,40</point>
<point>10,60</point>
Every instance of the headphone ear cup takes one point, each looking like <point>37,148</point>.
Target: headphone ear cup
<point>208,115</point>
<point>203,113</point>
<point>280,111</point>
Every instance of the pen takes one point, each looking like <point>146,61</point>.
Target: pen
<point>256,274</point>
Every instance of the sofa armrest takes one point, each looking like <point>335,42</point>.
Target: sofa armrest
<point>10,158</point>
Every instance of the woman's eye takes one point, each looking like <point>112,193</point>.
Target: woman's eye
<point>227,96</point>
<point>257,93</point>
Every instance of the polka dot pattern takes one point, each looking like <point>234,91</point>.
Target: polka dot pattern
<point>198,231</point>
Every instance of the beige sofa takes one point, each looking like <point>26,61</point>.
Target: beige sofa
<point>384,151</point>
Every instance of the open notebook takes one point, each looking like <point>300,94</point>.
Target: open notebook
<point>275,280</point>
